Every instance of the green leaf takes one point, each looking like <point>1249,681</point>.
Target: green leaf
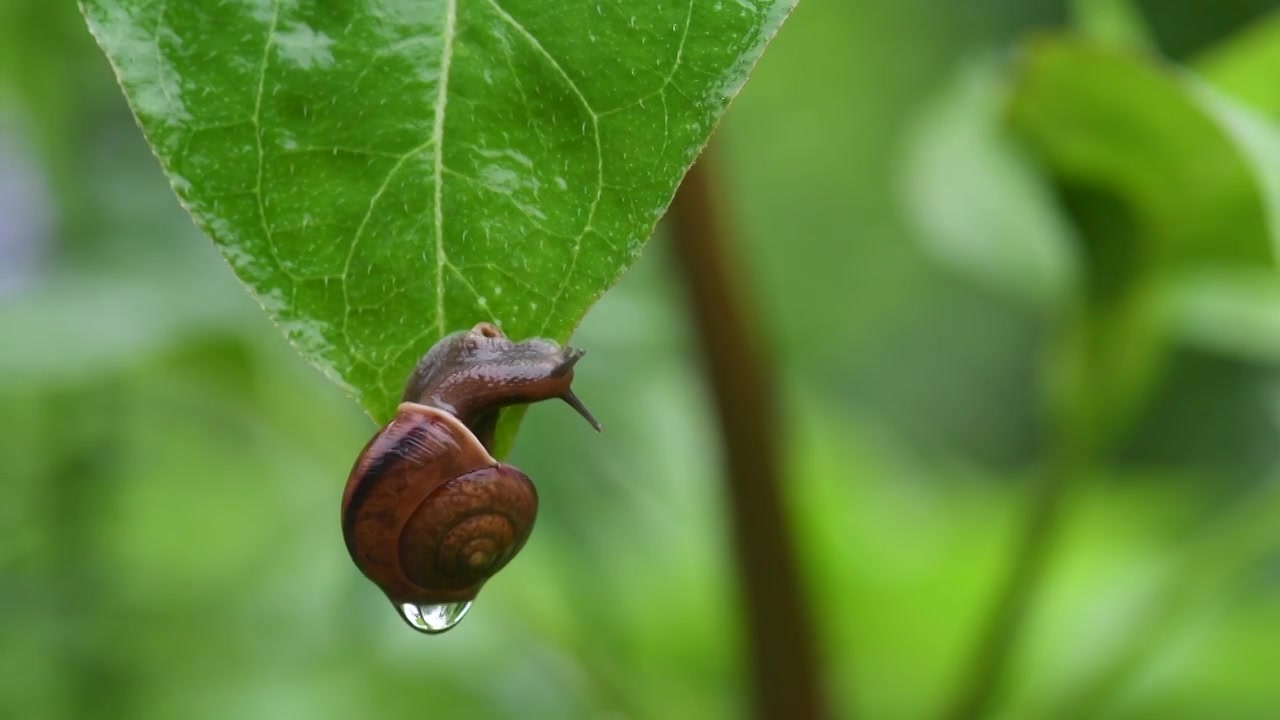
<point>1256,140</point>
<point>1193,177</point>
<point>1116,23</point>
<point>1234,312</point>
<point>1167,199</point>
<point>381,172</point>
<point>1162,176</point>
<point>1236,309</point>
<point>979,204</point>
<point>1121,126</point>
<point>1246,66</point>
<point>1160,190</point>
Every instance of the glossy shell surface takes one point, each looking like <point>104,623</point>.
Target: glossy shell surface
<point>428,514</point>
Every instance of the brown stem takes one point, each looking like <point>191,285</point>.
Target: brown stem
<point>784,661</point>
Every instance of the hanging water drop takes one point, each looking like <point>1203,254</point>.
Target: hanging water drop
<point>434,619</point>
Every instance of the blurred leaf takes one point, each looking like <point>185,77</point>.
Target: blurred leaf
<point>903,552</point>
<point>381,174</point>
<point>1258,140</point>
<point>1165,181</point>
<point>978,204</point>
<point>1159,188</point>
<point>1238,309</point>
<point>42,49</point>
<point>1101,119</point>
<point>1247,65</point>
<point>81,326</point>
<point>1202,567</point>
<point>1116,23</point>
<point>1237,312</point>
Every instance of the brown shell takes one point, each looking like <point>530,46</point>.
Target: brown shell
<point>428,515</point>
<point>467,530</point>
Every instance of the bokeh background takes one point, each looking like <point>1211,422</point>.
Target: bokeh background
<point>171,470</point>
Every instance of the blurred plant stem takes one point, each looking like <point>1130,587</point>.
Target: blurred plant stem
<point>785,672</point>
<point>1243,536</point>
<point>1035,545</point>
<point>1100,372</point>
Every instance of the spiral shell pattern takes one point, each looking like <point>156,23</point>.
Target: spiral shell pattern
<point>468,529</point>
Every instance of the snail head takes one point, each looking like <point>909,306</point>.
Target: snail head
<point>476,372</point>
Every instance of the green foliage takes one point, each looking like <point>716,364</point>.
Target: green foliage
<point>172,469</point>
<point>1186,168</point>
<point>1117,23</point>
<point>1115,124</point>
<point>1170,191</point>
<point>381,174</point>
<point>978,202</point>
<point>1246,66</point>
<point>1133,183</point>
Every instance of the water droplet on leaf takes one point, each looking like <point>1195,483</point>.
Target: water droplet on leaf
<point>434,618</point>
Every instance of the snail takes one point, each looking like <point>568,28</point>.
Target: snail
<point>428,514</point>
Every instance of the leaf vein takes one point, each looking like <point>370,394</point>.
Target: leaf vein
<point>437,137</point>
<point>257,137</point>
<point>595,127</point>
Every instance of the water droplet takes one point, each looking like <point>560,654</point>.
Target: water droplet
<point>434,619</point>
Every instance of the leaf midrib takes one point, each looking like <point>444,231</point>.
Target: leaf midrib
<point>437,137</point>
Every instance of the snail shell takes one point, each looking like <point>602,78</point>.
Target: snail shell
<point>429,514</point>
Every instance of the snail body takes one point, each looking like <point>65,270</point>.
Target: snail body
<point>428,514</point>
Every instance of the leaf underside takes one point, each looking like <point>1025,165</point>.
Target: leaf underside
<point>380,173</point>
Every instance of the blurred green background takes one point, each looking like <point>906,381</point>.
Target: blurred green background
<point>169,542</point>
